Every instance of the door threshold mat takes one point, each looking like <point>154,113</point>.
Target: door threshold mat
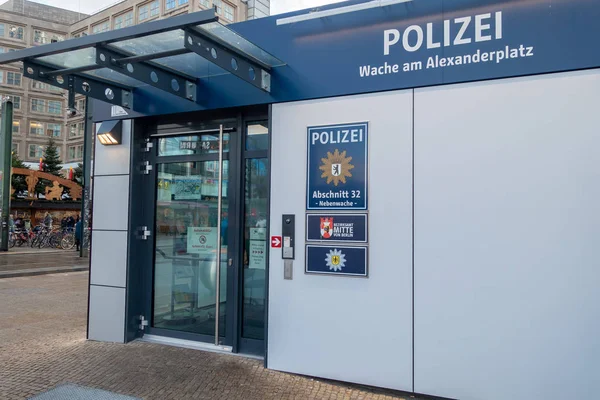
<point>70,391</point>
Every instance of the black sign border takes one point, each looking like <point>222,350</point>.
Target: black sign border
<point>367,144</point>
<point>307,272</point>
<point>343,214</point>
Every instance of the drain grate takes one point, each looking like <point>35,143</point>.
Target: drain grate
<point>75,392</point>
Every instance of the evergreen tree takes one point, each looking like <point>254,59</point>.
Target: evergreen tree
<point>51,161</point>
<point>18,182</point>
<point>51,164</point>
<point>78,174</point>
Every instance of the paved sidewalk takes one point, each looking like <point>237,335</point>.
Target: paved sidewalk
<point>42,344</point>
<point>25,261</point>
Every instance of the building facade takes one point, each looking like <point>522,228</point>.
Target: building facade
<point>40,109</point>
<point>399,194</point>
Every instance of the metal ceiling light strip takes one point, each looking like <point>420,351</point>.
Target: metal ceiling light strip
<point>93,87</point>
<point>157,76</point>
<point>249,70</point>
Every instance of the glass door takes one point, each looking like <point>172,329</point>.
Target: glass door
<point>193,250</point>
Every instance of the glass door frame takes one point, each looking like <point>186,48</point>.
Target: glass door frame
<point>231,156</point>
<point>142,265</point>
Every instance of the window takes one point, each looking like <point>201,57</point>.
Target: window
<point>101,27</point>
<point>154,8</point>
<point>1,76</point>
<point>182,2</point>
<point>119,22</point>
<point>76,130</point>
<point>123,20</point>
<point>54,130</point>
<point>11,50</point>
<point>36,151</point>
<point>15,32</point>
<point>218,5</point>
<point>16,101</point>
<point>42,37</point>
<point>16,127</point>
<point>129,18</point>
<point>2,50</point>
<point>169,4</point>
<point>2,30</point>
<point>13,78</point>
<point>76,152</point>
<point>143,13</point>
<point>38,105</point>
<point>81,106</point>
<point>15,148</point>
<point>205,3</point>
<point>55,107</point>
<point>36,128</point>
<point>44,86</point>
<point>229,12</point>
<point>80,34</point>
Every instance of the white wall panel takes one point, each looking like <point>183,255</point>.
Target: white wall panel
<point>507,200</point>
<point>114,160</point>
<point>350,329</point>
<point>111,202</point>
<point>109,258</point>
<point>109,239</point>
<point>107,314</point>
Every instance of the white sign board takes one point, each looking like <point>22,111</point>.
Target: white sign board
<point>258,252</point>
<point>202,241</point>
<point>258,233</point>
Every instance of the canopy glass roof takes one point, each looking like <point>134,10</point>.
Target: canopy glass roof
<point>173,54</point>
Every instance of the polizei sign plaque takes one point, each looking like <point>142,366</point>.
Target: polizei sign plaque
<point>351,228</point>
<point>337,172</point>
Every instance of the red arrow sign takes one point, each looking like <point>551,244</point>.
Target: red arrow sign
<point>276,242</point>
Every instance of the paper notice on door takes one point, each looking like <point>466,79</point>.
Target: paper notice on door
<point>258,233</point>
<point>202,241</point>
<point>258,251</point>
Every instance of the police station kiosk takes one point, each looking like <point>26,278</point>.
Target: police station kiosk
<point>402,194</point>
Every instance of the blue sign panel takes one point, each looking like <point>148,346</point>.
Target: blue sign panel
<point>414,44</point>
<point>336,227</point>
<point>337,260</point>
<point>337,167</point>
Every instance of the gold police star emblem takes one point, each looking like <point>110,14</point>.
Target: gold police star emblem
<point>336,167</point>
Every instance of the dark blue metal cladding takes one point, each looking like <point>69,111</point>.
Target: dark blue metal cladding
<point>324,56</point>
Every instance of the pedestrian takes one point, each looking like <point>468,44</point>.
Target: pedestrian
<point>48,221</point>
<point>78,232</point>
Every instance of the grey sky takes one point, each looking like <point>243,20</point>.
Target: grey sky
<point>89,6</point>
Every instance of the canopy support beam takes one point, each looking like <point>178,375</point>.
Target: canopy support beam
<point>92,87</point>
<point>230,60</point>
<point>149,73</point>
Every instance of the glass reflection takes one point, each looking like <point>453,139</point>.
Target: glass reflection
<point>186,247</point>
<point>257,136</point>
<point>233,39</point>
<point>195,144</point>
<point>255,247</point>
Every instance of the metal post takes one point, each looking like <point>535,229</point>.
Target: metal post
<point>219,210</point>
<point>5,174</point>
<point>88,139</point>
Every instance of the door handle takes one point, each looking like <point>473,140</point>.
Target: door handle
<point>230,262</point>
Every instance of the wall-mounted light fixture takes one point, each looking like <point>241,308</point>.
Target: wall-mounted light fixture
<point>110,132</point>
<point>339,10</point>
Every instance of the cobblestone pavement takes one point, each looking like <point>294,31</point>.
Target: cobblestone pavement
<point>27,259</point>
<point>42,344</point>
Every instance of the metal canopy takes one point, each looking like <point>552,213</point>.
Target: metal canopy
<point>173,55</point>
